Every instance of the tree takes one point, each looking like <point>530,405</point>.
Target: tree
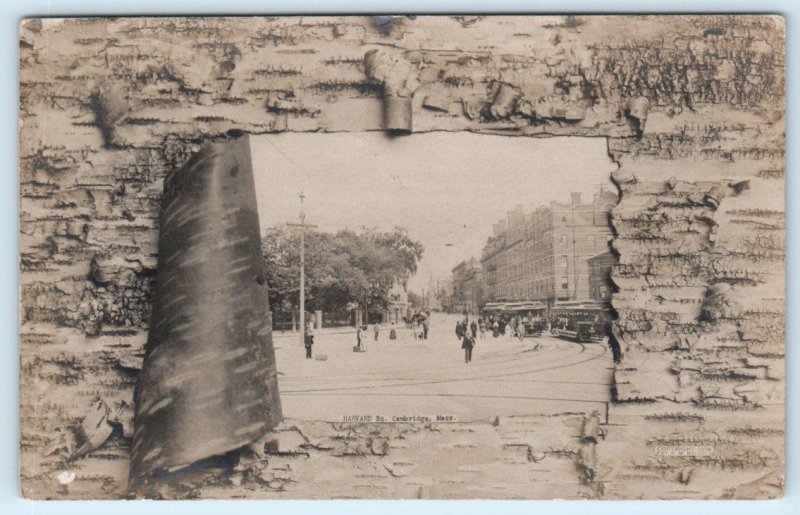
<point>341,268</point>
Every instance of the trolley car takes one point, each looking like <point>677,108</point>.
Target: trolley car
<point>582,321</point>
<point>533,316</point>
<point>494,307</point>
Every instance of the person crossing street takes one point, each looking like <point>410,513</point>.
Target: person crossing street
<point>468,343</point>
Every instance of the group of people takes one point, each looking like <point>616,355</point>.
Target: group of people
<point>513,326</point>
<point>468,332</point>
<point>419,323</point>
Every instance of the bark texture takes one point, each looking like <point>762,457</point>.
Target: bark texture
<point>693,111</point>
<point>208,384</point>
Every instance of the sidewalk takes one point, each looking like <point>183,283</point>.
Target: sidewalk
<point>339,330</point>
<point>325,330</point>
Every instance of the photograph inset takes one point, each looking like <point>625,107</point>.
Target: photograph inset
<point>450,277</point>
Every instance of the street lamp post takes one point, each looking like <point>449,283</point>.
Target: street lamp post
<point>302,225</point>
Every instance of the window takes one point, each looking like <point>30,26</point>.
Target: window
<point>562,261</point>
<point>564,283</point>
<point>563,239</point>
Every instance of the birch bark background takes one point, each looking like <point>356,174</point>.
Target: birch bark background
<point>692,108</point>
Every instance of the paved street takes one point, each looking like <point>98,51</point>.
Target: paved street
<point>429,378</point>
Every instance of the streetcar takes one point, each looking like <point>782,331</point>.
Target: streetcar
<point>494,307</point>
<point>532,314</point>
<point>581,321</point>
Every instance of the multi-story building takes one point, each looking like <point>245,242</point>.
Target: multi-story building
<point>544,255</point>
<point>599,276</point>
<point>467,287</point>
<point>443,295</point>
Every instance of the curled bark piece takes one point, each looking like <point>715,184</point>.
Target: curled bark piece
<point>208,383</point>
<point>399,81</point>
<point>505,99</point>
<point>587,461</point>
<point>719,191</point>
<point>591,427</point>
<point>636,109</point>
<point>94,430</point>
<point>436,103</point>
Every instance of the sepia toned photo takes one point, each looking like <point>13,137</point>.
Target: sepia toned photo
<point>424,248</point>
<point>402,257</point>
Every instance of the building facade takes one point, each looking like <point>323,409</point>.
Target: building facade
<point>544,255</point>
<point>467,285</point>
<point>599,276</point>
<point>397,307</point>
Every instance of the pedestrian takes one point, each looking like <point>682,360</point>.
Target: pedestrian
<point>359,338</point>
<point>468,344</point>
<point>425,329</point>
<point>459,330</point>
<point>377,330</point>
<point>392,333</point>
<point>482,326</point>
<point>309,343</point>
<point>520,329</point>
<point>474,328</point>
<point>415,329</point>
<point>495,329</point>
<point>613,343</point>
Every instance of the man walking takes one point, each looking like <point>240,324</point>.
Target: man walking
<point>309,343</point>
<point>474,328</point>
<point>467,344</point>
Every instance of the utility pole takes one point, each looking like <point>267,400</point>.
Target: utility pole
<point>302,225</point>
<point>574,253</point>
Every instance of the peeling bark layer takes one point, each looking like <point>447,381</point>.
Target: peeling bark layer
<point>208,384</point>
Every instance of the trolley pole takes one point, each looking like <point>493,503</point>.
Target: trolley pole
<point>302,225</point>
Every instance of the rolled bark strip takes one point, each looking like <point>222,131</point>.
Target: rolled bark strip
<point>397,114</point>
<point>398,80</point>
<point>208,384</point>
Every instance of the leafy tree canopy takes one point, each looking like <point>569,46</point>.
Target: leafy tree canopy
<point>341,268</point>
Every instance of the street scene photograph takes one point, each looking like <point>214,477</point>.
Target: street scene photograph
<point>445,277</point>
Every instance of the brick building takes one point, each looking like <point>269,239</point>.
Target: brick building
<point>543,255</point>
<point>599,271</point>
<point>467,286</point>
